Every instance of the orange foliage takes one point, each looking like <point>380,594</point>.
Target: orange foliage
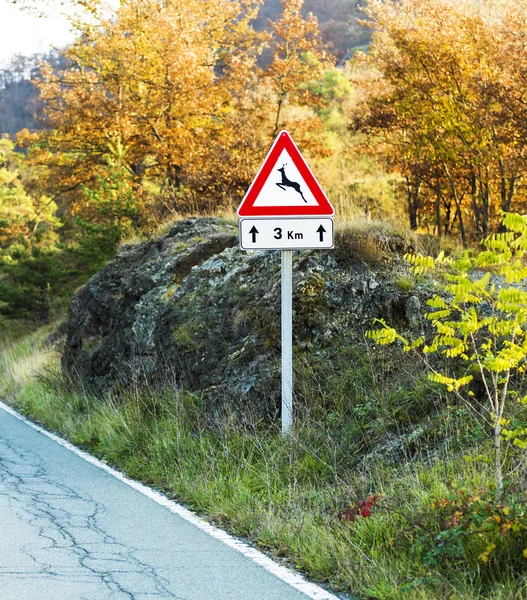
<point>178,85</point>
<point>448,99</point>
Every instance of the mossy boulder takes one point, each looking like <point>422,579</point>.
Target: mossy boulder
<point>190,309</point>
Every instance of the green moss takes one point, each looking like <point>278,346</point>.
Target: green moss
<point>187,338</point>
<point>180,247</point>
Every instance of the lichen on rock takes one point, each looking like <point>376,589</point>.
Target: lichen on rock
<point>191,309</point>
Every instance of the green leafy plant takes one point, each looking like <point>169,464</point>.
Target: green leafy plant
<point>479,323</point>
<point>475,524</point>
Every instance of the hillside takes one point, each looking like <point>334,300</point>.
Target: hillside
<point>168,368</point>
<point>19,103</point>
<point>338,21</point>
<point>133,324</point>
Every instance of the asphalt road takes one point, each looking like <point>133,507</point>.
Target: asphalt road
<point>72,531</point>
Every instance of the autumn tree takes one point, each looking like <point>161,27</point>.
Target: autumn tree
<point>179,86</point>
<point>298,58</point>
<point>160,78</point>
<point>24,219</point>
<point>447,99</point>
<point>287,93</point>
<point>338,22</point>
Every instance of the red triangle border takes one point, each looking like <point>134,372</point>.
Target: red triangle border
<point>247,208</point>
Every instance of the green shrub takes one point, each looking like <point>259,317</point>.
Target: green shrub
<point>479,323</point>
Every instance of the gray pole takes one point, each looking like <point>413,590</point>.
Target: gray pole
<point>287,340</point>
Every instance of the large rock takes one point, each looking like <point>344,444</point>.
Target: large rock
<point>192,309</point>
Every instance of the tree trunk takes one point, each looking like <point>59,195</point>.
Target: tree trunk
<point>497,456</point>
<point>486,205</point>
<point>475,204</point>
<point>173,177</point>
<point>462,231</point>
<point>457,202</point>
<point>412,193</point>
<point>281,100</point>
<point>448,216</point>
<point>438,208</point>
<point>508,187</point>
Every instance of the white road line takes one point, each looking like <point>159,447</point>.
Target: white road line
<point>311,590</point>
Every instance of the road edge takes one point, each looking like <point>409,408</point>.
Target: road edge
<point>311,590</point>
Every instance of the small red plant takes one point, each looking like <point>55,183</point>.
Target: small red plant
<point>361,508</point>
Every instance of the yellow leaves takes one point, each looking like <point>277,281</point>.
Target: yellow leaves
<point>506,359</point>
<point>514,273</point>
<point>24,218</point>
<point>437,302</point>
<point>488,258</point>
<point>441,503</point>
<point>464,290</point>
<point>500,241</point>
<point>517,435</point>
<point>515,223</point>
<point>463,263</point>
<point>418,342</point>
<point>502,328</point>
<point>385,336</point>
<point>451,383</point>
<point>430,349</point>
<point>445,330</point>
<point>512,300</point>
<point>457,348</point>
<point>520,243</point>
<point>483,282</point>
<point>439,314</point>
<point>421,264</point>
<point>484,556</point>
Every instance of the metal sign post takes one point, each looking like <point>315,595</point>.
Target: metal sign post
<point>285,212</point>
<point>287,340</point>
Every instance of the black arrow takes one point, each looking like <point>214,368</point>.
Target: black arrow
<point>253,232</point>
<point>321,231</point>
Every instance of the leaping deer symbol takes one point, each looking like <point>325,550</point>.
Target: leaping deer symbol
<point>285,183</point>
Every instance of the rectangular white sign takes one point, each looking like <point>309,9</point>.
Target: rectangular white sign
<point>286,233</point>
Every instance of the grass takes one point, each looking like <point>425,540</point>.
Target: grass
<point>371,242</point>
<point>290,495</point>
<point>23,356</point>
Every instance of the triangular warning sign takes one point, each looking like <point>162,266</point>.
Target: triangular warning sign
<point>285,186</point>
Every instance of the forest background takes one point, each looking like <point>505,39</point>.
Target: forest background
<point>412,109</point>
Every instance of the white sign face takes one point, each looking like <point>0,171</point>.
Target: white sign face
<point>286,233</point>
<point>285,186</point>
